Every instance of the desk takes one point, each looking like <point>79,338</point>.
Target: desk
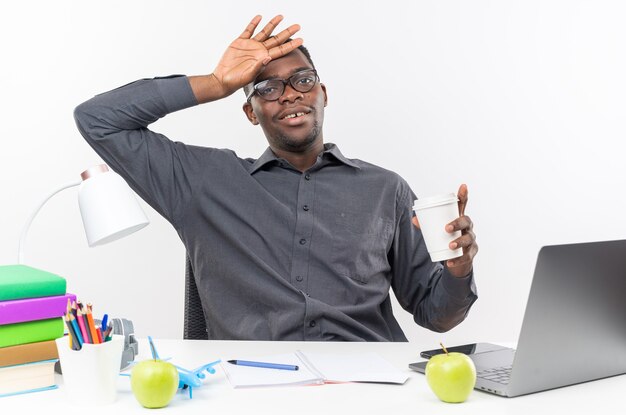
<point>217,397</point>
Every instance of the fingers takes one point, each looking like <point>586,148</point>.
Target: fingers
<point>275,45</point>
<point>285,48</point>
<point>247,33</point>
<point>462,195</point>
<point>280,38</point>
<point>465,241</point>
<point>466,260</point>
<point>462,265</point>
<point>460,224</point>
<point>268,29</point>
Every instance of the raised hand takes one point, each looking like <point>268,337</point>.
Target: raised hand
<point>247,55</point>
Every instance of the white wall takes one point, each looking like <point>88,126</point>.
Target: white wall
<point>522,100</point>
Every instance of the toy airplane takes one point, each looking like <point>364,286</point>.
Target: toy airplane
<point>186,378</point>
<point>193,378</point>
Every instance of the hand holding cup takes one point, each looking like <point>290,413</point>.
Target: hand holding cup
<point>447,231</point>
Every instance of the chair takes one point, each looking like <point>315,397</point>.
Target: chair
<point>195,322</point>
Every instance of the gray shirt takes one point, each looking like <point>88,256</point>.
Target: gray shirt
<point>278,254</point>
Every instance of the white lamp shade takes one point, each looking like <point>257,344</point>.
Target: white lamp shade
<point>109,207</point>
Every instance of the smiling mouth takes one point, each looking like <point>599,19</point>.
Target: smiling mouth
<point>296,115</point>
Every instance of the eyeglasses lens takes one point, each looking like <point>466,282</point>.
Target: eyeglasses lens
<point>272,89</point>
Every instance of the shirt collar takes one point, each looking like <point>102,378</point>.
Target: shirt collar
<point>268,156</point>
<point>330,148</point>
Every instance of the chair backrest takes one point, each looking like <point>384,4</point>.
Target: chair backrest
<point>195,322</point>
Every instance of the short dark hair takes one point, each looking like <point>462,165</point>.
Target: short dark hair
<point>301,48</point>
<point>306,54</point>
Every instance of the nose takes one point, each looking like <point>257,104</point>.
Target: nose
<point>290,94</point>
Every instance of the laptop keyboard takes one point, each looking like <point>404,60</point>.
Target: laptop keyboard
<point>500,375</point>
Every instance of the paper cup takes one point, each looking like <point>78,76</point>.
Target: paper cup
<point>90,374</point>
<point>433,214</point>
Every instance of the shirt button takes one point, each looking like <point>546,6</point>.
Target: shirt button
<point>299,278</point>
<point>312,323</point>
<point>302,241</point>
<point>307,176</point>
<point>305,207</point>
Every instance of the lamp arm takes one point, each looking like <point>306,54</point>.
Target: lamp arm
<point>20,255</point>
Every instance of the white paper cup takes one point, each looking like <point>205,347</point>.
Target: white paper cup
<point>433,214</point>
<point>90,374</point>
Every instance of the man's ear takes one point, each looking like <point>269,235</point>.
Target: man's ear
<point>247,108</point>
<point>325,94</point>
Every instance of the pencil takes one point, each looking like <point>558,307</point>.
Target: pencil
<point>83,327</point>
<point>74,311</point>
<point>91,326</point>
<point>74,343</point>
<point>99,334</point>
<point>79,337</point>
<point>107,333</point>
<point>67,322</point>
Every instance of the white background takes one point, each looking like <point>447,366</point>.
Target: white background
<point>522,100</point>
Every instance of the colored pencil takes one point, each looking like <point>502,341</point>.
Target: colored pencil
<point>74,343</point>
<point>107,333</point>
<point>70,329</point>
<point>74,310</point>
<point>83,327</point>
<point>90,325</point>
<point>76,330</point>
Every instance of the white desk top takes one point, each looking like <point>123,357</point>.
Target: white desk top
<point>217,397</point>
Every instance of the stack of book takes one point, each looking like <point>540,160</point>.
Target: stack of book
<point>32,303</point>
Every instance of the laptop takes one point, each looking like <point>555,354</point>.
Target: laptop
<point>574,327</point>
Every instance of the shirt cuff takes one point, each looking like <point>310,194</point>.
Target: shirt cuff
<point>460,289</point>
<point>176,92</point>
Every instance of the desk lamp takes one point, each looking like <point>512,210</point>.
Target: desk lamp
<point>110,211</point>
<point>109,208</point>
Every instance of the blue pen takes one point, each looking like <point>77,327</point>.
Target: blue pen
<point>103,325</point>
<point>263,365</point>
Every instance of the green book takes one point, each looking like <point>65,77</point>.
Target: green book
<point>31,331</point>
<point>21,281</point>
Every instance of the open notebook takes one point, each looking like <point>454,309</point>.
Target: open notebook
<point>315,369</point>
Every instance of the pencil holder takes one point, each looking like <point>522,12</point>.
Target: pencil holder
<point>90,374</point>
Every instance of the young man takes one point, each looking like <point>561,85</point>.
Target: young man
<point>299,244</point>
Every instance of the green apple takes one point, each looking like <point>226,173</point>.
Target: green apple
<point>451,376</point>
<point>154,382</point>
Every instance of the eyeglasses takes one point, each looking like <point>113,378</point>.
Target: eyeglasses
<point>272,89</point>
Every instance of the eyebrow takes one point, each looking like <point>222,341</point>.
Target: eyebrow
<point>274,76</point>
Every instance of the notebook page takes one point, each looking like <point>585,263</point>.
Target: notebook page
<point>355,367</point>
<point>245,376</point>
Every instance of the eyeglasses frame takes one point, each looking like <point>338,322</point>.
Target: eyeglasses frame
<point>285,82</point>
